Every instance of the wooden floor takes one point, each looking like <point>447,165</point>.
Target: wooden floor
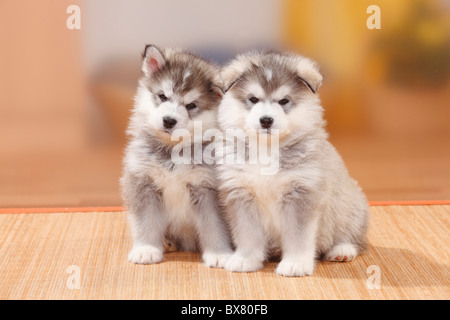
<point>83,255</point>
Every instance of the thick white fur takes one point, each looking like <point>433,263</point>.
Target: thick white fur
<point>305,67</point>
<point>179,218</point>
<point>332,217</point>
<point>159,195</point>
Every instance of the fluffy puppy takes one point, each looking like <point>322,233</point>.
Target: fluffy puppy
<point>167,199</point>
<point>309,207</point>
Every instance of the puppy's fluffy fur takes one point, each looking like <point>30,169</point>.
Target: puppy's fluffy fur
<point>165,200</point>
<point>311,207</point>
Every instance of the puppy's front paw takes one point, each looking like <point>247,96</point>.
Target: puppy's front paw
<point>238,263</point>
<point>145,255</point>
<point>295,268</point>
<point>216,259</point>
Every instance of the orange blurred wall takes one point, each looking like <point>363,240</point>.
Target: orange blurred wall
<point>42,96</point>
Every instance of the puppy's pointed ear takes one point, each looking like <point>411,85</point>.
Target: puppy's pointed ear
<point>233,72</point>
<point>229,77</point>
<point>153,60</point>
<point>308,71</point>
<point>217,86</point>
<point>217,91</point>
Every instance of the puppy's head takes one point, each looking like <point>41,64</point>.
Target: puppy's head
<point>177,89</point>
<point>268,90</point>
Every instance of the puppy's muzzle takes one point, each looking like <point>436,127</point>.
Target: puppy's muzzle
<point>266,122</point>
<point>169,122</point>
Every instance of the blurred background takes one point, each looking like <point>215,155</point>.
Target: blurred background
<point>65,95</point>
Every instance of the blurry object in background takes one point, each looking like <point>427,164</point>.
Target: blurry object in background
<point>43,156</point>
<point>112,90</point>
<point>408,71</point>
<point>412,49</point>
<point>332,32</point>
<point>42,94</point>
<point>117,29</point>
<point>416,51</point>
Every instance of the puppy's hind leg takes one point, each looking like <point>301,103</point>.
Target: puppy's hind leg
<point>169,245</point>
<point>351,240</point>
<point>341,252</point>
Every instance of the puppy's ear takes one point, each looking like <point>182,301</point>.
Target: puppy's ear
<point>217,86</point>
<point>308,71</point>
<point>230,76</point>
<point>231,73</point>
<point>153,60</point>
<point>217,91</point>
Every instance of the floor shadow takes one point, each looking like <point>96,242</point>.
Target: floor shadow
<point>397,267</point>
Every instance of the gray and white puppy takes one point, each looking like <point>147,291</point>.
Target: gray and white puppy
<point>167,200</point>
<point>310,208</point>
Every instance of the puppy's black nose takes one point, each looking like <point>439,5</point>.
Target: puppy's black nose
<point>169,122</point>
<point>266,122</point>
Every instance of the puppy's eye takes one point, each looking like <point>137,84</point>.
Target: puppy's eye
<point>284,101</point>
<point>163,97</point>
<point>191,106</point>
<point>254,100</point>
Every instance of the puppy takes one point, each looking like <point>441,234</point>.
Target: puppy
<point>169,202</point>
<point>310,207</point>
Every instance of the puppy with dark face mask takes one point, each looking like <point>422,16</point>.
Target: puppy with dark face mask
<point>169,201</point>
<point>310,207</point>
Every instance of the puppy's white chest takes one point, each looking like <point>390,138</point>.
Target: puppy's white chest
<point>268,193</point>
<point>175,187</point>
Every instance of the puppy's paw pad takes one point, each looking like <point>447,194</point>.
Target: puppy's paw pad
<point>145,255</point>
<point>237,263</point>
<point>295,268</point>
<point>216,259</point>
<point>342,253</point>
